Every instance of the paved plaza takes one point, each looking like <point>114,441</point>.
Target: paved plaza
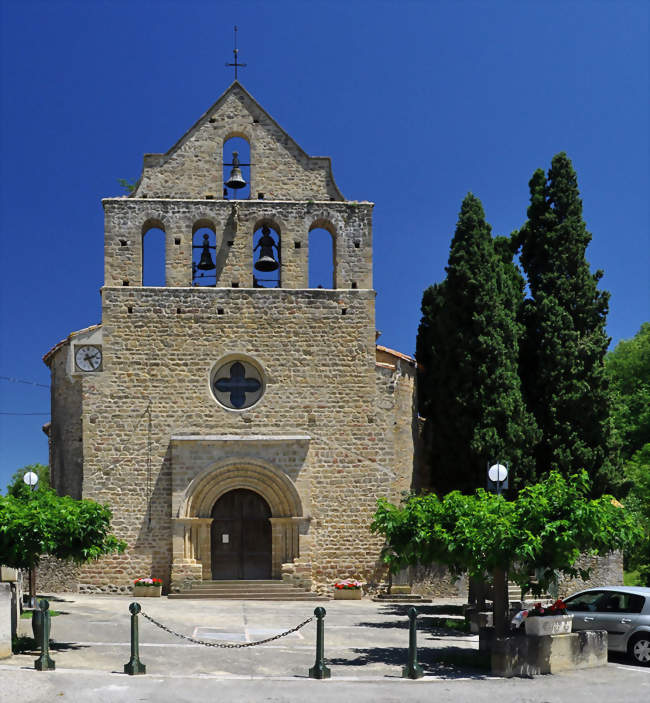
<point>365,647</point>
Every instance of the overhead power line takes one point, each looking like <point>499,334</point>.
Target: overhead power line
<point>4,413</point>
<point>21,380</point>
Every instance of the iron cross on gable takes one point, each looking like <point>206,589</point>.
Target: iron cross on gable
<point>237,385</point>
<point>235,51</point>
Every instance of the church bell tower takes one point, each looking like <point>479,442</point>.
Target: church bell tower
<point>236,421</point>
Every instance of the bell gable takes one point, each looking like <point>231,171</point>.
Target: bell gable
<point>193,167</point>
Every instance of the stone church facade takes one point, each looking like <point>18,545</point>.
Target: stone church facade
<point>236,431</point>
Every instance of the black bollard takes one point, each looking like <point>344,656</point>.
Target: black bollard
<point>412,670</point>
<point>134,665</point>
<point>319,670</point>
<point>44,662</point>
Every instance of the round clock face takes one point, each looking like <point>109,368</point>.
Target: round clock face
<point>88,358</point>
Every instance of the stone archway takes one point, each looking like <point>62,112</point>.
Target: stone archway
<point>192,548</point>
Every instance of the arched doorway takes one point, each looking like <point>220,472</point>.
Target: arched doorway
<point>241,536</point>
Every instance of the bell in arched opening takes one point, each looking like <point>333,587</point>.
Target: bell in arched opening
<point>236,179</point>
<point>266,261</point>
<point>206,263</point>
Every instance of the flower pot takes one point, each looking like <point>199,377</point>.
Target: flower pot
<point>147,591</point>
<point>548,625</point>
<point>347,594</point>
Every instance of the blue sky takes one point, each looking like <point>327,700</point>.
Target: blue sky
<point>417,103</point>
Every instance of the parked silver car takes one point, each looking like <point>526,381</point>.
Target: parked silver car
<point>624,611</point>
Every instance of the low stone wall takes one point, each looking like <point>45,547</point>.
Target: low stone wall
<point>434,581</point>
<point>56,576</point>
<point>605,571</point>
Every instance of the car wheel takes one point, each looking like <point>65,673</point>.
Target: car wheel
<point>639,649</point>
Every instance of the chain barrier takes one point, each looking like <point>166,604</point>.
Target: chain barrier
<point>222,645</point>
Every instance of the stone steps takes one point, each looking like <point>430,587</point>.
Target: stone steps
<point>246,590</point>
<point>401,598</point>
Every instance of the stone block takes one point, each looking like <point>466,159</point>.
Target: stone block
<point>5,620</point>
<point>525,656</point>
<point>479,620</point>
<point>8,574</point>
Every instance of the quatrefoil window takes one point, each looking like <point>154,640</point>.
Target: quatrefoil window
<point>237,384</point>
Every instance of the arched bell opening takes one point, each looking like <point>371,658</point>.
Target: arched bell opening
<point>236,169</point>
<point>241,536</point>
<point>153,253</point>
<point>322,258</point>
<point>266,256</point>
<point>204,255</point>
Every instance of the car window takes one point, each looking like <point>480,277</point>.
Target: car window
<point>617,602</point>
<point>612,603</point>
<point>635,603</point>
<point>583,601</point>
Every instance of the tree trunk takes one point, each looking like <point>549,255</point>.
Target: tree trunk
<point>500,600</point>
<point>476,593</point>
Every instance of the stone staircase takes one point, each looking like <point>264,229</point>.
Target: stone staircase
<point>246,590</point>
<point>514,595</point>
<point>399,594</point>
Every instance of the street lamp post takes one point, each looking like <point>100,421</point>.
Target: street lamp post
<point>31,479</point>
<point>497,480</point>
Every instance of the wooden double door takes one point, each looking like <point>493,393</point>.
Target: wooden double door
<point>241,537</point>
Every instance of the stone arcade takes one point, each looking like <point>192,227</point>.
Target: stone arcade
<point>236,431</point>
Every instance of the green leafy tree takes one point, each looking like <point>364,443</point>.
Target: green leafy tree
<point>468,350</point>
<point>628,370</point>
<point>638,500</point>
<point>17,486</point>
<point>562,363</point>
<point>546,528</point>
<point>39,523</point>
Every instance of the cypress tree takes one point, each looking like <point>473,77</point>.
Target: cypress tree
<point>468,350</point>
<point>562,362</point>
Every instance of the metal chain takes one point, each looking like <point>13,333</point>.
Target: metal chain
<point>219,644</point>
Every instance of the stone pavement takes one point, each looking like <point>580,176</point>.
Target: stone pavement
<point>365,647</point>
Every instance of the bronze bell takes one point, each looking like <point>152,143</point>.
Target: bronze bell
<point>266,261</point>
<point>206,263</point>
<point>236,180</point>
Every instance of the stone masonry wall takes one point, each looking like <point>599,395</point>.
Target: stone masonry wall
<point>394,415</point>
<point>126,220</point>
<point>605,571</point>
<point>66,455</point>
<point>56,576</point>
<point>317,352</point>
<point>280,169</point>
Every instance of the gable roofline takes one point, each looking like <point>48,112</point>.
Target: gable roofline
<point>159,159</point>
